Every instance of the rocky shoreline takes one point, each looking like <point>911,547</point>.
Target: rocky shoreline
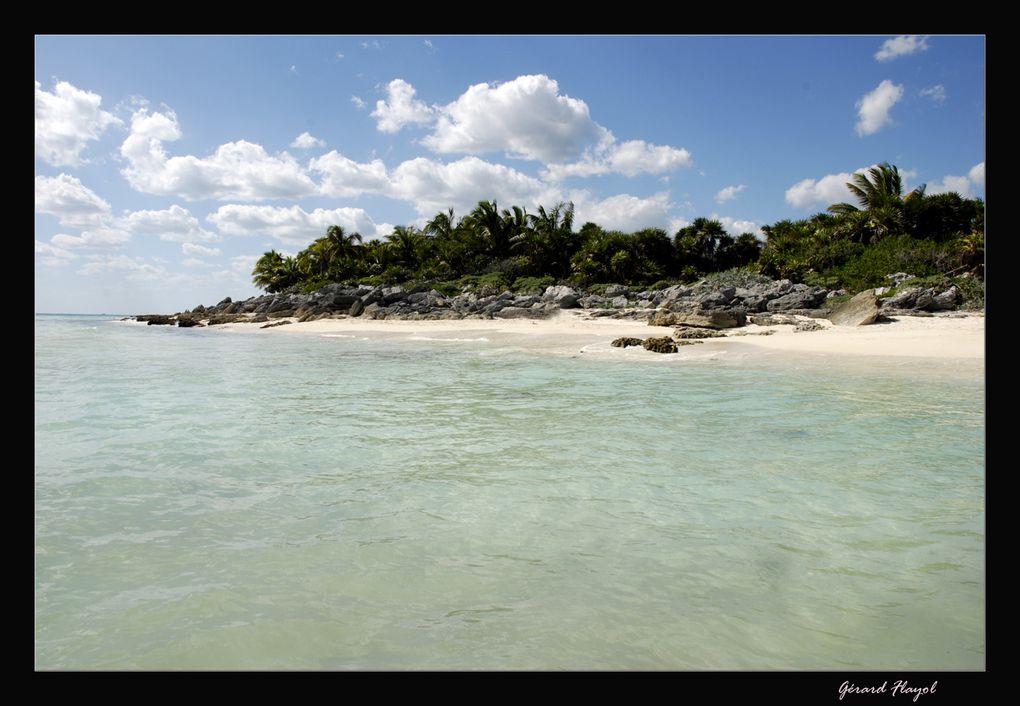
<point>697,312</point>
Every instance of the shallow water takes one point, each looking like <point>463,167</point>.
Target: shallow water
<point>217,500</point>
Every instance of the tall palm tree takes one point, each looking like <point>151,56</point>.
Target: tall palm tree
<point>879,192</point>
<point>266,274</point>
<point>406,244</point>
<point>553,240</point>
<point>496,229</point>
<point>333,250</point>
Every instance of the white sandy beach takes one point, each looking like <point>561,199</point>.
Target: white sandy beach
<point>945,338</point>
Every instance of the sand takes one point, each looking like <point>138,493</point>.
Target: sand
<point>941,337</point>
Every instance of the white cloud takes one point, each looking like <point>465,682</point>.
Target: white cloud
<point>373,44</point>
<point>194,262</point>
<point>358,103</point>
<point>343,177</point>
<point>339,56</point>
<point>729,193</point>
<point>133,268</point>
<point>629,158</point>
<point>293,224</point>
<point>244,264</point>
<point>828,190</point>
<point>433,186</point>
<point>624,212</point>
<point>637,156</point>
<point>937,93</point>
<point>400,108</point>
<point>193,249</point>
<point>66,121</point>
<point>51,255</point>
<point>525,118</point>
<point>305,141</point>
<point>735,226</point>
<point>95,238</point>
<point>65,197</point>
<point>873,109</point>
<point>175,224</point>
<point>240,169</point>
<point>977,174</point>
<point>903,45</point>
<point>965,186</point>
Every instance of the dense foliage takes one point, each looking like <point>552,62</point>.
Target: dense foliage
<point>850,246</point>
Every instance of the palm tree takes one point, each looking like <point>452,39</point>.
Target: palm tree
<point>333,252</point>
<point>552,238</point>
<point>406,243</point>
<point>879,192</point>
<point>266,274</point>
<point>496,229</point>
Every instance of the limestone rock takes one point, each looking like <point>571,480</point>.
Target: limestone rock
<point>688,333</point>
<point>808,326</point>
<point>563,296</point>
<point>859,311</point>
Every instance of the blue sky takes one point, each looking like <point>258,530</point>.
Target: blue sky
<point>166,165</point>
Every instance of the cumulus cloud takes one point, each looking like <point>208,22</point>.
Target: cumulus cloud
<point>873,109</point>
<point>433,186</point>
<point>736,226</point>
<point>729,193</point>
<point>293,224</point>
<point>193,249</point>
<point>904,45</point>
<point>51,255</point>
<point>629,158</point>
<point>623,211</point>
<point>828,190</point>
<point>343,177</point>
<point>95,238</point>
<point>358,103</point>
<point>977,174</point>
<point>175,224</point>
<point>635,157</point>
<point>65,197</point>
<point>305,141</point>
<point>400,108</point>
<point>239,169</point>
<point>131,267</point>
<point>66,120</point>
<point>525,118</point>
<point>195,262</point>
<point>966,186</point>
<point>937,93</point>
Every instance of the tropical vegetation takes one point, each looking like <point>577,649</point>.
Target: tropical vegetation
<point>849,246</point>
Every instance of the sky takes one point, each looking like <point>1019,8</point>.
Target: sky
<point>165,166</point>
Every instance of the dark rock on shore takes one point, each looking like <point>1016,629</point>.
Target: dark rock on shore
<point>157,319</point>
<point>626,342</point>
<point>659,344</point>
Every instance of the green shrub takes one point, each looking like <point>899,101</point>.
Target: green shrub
<point>447,288</point>
<point>485,285</point>
<point>313,285</point>
<point>532,285</point>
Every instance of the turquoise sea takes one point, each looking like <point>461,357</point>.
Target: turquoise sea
<point>220,500</point>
